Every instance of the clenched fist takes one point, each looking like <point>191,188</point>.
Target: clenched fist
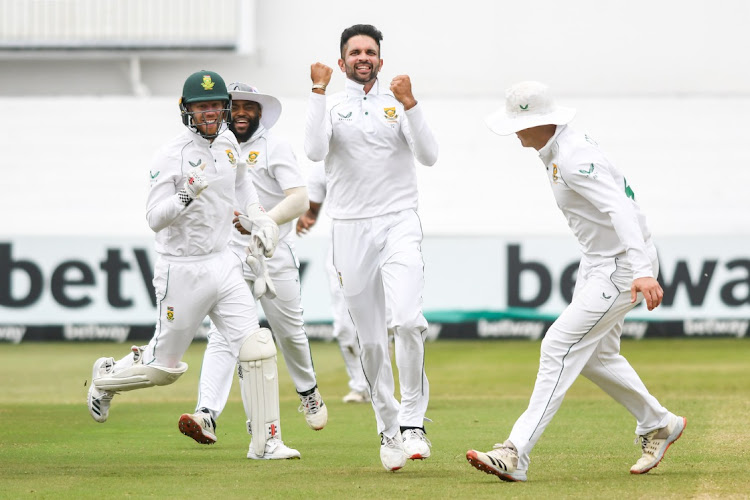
<point>320,74</point>
<point>401,88</point>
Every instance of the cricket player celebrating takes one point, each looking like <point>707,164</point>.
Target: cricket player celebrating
<point>343,328</point>
<point>273,168</point>
<point>196,180</point>
<point>618,270</point>
<point>368,136</point>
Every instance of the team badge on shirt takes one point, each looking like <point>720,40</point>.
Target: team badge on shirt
<point>390,115</point>
<point>252,157</point>
<point>231,157</point>
<point>555,177</point>
<point>170,314</point>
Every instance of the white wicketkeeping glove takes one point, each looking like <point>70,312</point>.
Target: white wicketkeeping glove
<point>196,182</point>
<point>263,284</point>
<point>262,229</point>
<point>194,186</point>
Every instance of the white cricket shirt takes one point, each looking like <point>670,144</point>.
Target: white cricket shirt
<point>272,166</point>
<point>597,201</point>
<point>369,144</point>
<point>204,226</point>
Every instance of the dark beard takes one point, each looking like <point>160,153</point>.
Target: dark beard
<point>251,128</point>
<point>352,75</point>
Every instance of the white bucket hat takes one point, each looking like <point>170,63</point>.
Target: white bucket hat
<point>527,105</point>
<point>270,106</point>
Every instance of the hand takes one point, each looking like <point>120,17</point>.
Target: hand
<point>305,222</point>
<point>320,74</point>
<point>196,182</point>
<point>260,226</point>
<point>651,290</point>
<point>263,284</point>
<point>401,88</point>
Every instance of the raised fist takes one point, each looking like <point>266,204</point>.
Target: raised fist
<point>320,74</point>
<point>195,183</point>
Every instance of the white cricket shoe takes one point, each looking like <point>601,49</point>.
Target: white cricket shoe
<point>416,444</point>
<point>99,401</point>
<point>357,397</point>
<point>315,410</point>
<point>275,450</point>
<point>655,444</point>
<point>392,453</point>
<point>200,426</point>
<point>502,461</point>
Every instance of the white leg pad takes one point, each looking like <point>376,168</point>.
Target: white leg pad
<point>139,376</point>
<point>259,383</point>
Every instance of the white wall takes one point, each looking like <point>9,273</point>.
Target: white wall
<point>662,85</point>
<point>80,165</point>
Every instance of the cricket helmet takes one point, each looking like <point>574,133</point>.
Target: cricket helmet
<point>204,86</point>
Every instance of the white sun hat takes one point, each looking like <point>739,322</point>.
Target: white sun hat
<point>270,106</point>
<point>527,105</point>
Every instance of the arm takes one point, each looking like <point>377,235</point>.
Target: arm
<point>165,202</point>
<point>317,128</point>
<point>308,219</point>
<point>598,185</point>
<point>316,190</point>
<point>607,194</point>
<point>418,134</point>
<point>293,205</point>
<point>284,169</point>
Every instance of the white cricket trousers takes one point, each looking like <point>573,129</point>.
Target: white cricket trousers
<point>585,339</point>
<point>190,288</point>
<point>379,263</point>
<point>343,331</point>
<point>284,315</point>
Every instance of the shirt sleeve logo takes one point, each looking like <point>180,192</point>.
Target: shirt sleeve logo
<point>153,176</point>
<point>590,173</point>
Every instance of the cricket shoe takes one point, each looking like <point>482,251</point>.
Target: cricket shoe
<point>655,444</point>
<point>275,450</point>
<point>501,461</point>
<point>99,401</point>
<point>315,410</point>
<point>200,426</point>
<point>416,444</point>
<point>392,453</point>
<point>357,397</point>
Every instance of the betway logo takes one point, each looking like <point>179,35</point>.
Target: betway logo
<point>710,327</point>
<point>510,328</point>
<point>96,332</point>
<point>634,329</point>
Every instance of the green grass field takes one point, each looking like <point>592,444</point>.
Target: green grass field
<point>51,448</point>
